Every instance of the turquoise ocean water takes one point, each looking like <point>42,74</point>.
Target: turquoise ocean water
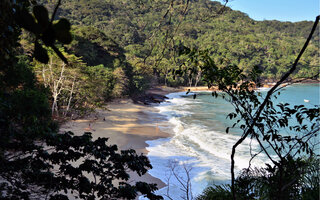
<point>199,141</point>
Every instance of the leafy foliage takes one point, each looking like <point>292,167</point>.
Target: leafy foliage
<point>150,31</point>
<point>36,161</point>
<point>76,88</point>
<point>150,34</point>
<point>100,84</point>
<point>285,134</point>
<point>63,166</point>
<point>44,29</point>
<point>263,183</point>
<point>94,47</point>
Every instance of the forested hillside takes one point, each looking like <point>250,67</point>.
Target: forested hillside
<point>97,71</point>
<point>56,66</point>
<point>150,31</point>
<point>121,48</point>
<point>37,162</point>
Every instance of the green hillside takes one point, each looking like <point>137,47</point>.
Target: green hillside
<point>149,31</point>
<point>56,67</point>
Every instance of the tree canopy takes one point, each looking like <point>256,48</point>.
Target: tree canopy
<point>148,31</point>
<point>116,48</point>
<point>36,160</point>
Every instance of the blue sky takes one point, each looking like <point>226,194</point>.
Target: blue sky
<point>282,10</point>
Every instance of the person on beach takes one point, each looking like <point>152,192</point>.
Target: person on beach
<point>89,128</point>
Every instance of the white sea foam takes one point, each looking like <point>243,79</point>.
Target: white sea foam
<point>205,150</point>
<point>263,89</point>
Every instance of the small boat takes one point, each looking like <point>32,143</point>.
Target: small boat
<point>306,100</point>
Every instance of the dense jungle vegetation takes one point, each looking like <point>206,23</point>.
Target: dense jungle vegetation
<point>50,69</point>
<point>126,47</point>
<point>37,162</point>
<point>149,31</point>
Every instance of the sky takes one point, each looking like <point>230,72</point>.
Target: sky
<point>282,10</point>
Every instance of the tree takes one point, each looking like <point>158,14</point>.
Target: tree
<point>74,165</point>
<point>76,88</point>
<point>177,173</point>
<point>262,183</point>
<point>259,119</point>
<point>61,79</point>
<point>148,31</point>
<point>36,161</point>
<point>45,30</point>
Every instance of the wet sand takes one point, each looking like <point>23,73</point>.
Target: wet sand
<point>126,124</point>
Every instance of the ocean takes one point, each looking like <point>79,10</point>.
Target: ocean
<point>198,152</point>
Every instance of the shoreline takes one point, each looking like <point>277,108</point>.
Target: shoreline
<point>128,124</point>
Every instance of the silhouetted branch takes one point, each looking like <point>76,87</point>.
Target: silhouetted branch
<point>55,10</point>
<point>264,103</point>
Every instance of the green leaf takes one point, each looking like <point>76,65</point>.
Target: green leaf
<point>62,25</point>
<point>40,53</point>
<point>64,37</point>
<point>41,14</point>
<point>62,31</point>
<point>26,21</point>
<point>48,37</point>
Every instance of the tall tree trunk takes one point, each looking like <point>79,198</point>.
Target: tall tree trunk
<point>165,79</point>
<point>56,90</point>
<point>70,97</point>
<point>198,77</point>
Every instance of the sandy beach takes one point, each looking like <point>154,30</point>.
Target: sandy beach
<point>126,124</point>
<point>129,124</point>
